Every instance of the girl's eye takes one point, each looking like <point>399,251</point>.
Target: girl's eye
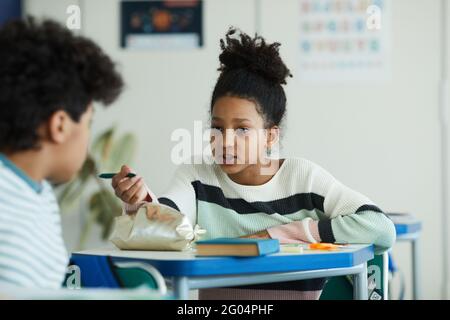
<point>216,128</point>
<point>239,131</point>
<point>242,130</point>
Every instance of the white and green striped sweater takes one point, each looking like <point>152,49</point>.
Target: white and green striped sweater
<point>300,191</point>
<point>32,251</point>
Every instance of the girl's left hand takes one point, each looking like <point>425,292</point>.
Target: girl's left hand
<point>261,235</point>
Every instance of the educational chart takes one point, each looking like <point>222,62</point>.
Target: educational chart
<point>10,9</point>
<point>344,41</point>
<point>168,24</point>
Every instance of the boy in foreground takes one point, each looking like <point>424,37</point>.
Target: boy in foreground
<point>49,79</point>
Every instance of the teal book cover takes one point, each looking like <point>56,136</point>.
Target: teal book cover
<point>265,246</point>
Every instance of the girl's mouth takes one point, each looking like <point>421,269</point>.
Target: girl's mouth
<point>228,159</point>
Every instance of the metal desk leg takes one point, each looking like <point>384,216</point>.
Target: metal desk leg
<point>360,289</point>
<point>415,268</point>
<point>181,288</point>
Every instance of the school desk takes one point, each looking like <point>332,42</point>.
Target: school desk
<point>408,230</point>
<point>186,271</point>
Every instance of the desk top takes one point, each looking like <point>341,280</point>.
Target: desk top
<point>405,224</point>
<point>187,264</point>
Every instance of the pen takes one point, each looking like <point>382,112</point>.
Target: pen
<point>324,246</point>
<point>111,175</point>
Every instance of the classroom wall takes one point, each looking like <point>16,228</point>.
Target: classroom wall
<point>382,140</point>
<point>445,83</point>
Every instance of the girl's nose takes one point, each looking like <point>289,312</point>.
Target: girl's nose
<point>228,139</point>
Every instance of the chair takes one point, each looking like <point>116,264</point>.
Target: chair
<point>341,288</point>
<point>104,273</point>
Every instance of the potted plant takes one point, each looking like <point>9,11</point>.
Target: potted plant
<point>107,154</point>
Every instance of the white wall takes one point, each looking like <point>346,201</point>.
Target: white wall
<point>382,140</point>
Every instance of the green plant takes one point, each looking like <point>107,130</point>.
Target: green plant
<point>107,154</point>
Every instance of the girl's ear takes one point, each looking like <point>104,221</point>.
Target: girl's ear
<point>273,136</point>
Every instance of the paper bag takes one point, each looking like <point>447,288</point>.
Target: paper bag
<point>154,227</point>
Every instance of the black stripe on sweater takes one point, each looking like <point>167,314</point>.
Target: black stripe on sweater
<point>168,203</point>
<point>368,207</point>
<point>291,204</point>
<point>325,231</point>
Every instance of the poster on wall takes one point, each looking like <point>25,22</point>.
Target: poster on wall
<point>10,9</point>
<point>344,41</point>
<point>166,25</point>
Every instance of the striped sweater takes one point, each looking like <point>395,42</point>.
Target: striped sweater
<point>32,251</point>
<point>301,203</point>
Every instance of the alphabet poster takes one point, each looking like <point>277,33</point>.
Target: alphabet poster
<point>344,40</point>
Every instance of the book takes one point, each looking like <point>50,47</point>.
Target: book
<point>240,247</point>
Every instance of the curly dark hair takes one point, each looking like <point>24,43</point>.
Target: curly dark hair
<point>252,69</point>
<point>45,68</point>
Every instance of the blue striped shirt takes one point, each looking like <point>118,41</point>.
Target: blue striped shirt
<point>32,250</point>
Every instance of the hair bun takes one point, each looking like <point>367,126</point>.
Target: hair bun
<point>240,51</point>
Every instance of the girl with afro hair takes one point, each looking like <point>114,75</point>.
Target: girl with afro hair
<point>247,191</point>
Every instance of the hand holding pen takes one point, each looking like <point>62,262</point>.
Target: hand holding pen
<point>128,187</point>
